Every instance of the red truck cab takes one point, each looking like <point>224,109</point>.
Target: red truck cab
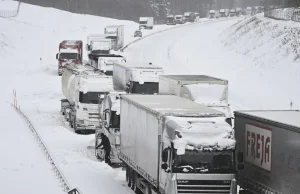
<point>70,51</point>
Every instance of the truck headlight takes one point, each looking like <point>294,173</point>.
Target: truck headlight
<point>118,141</point>
<point>80,121</point>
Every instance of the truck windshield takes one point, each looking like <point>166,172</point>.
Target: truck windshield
<point>146,88</point>
<point>143,22</point>
<point>204,162</point>
<point>115,120</point>
<point>91,97</point>
<point>99,52</point>
<point>68,56</point>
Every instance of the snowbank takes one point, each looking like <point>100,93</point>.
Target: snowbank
<point>23,166</point>
<point>200,133</point>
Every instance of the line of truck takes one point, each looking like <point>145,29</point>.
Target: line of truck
<point>101,49</point>
<point>174,133</point>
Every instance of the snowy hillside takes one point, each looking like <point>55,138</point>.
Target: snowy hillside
<point>274,48</point>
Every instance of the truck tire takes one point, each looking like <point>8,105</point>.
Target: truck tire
<point>148,190</point>
<point>127,176</point>
<point>134,183</point>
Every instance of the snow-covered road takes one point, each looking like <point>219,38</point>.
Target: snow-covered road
<point>23,167</point>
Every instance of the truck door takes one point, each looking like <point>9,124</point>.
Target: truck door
<point>165,175</point>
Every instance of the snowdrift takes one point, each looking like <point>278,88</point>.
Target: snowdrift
<point>274,48</point>
<point>265,40</point>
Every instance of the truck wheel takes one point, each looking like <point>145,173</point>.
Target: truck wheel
<point>132,186</point>
<point>148,190</point>
<point>129,176</point>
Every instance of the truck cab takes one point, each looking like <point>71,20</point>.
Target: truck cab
<point>70,51</point>
<point>137,77</point>
<point>109,110</point>
<point>146,23</point>
<point>212,13</point>
<point>179,19</point>
<point>116,34</point>
<point>82,86</point>
<point>170,20</point>
<point>196,170</point>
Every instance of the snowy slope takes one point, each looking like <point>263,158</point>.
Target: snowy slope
<point>198,49</point>
<point>23,166</point>
<point>274,48</point>
<point>28,44</point>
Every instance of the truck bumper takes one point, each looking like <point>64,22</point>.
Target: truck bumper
<point>88,127</point>
<point>60,70</point>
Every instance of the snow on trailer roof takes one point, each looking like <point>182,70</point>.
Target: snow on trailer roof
<point>113,26</point>
<point>200,133</point>
<point>84,70</point>
<point>171,104</point>
<point>143,18</point>
<point>285,117</point>
<point>199,78</point>
<point>138,64</point>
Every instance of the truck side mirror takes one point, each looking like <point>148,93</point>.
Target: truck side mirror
<point>164,166</point>
<point>164,155</point>
<point>241,166</point>
<point>240,157</point>
<point>57,56</point>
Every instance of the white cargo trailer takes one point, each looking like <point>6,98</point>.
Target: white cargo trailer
<point>136,77</point>
<point>146,23</point>
<point>202,89</point>
<point>82,86</point>
<point>172,145</point>
<point>268,145</point>
<point>116,34</point>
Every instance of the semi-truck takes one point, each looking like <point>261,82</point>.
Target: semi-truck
<point>189,17</point>
<point>94,39</point>
<point>268,145</point>
<point>116,34</point>
<point>179,19</point>
<point>206,90</point>
<point>172,145</point>
<point>81,86</point>
<point>105,63</point>
<point>171,20</point>
<point>212,13</point>
<point>136,77</point>
<point>109,111</point>
<point>70,51</point>
<point>146,23</point>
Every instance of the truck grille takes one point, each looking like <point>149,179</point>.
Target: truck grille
<point>94,116</point>
<point>203,186</point>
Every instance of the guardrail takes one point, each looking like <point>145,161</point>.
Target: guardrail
<point>63,181</point>
<point>180,26</point>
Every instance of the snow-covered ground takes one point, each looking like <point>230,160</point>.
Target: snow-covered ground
<point>29,42</point>
<point>23,167</point>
